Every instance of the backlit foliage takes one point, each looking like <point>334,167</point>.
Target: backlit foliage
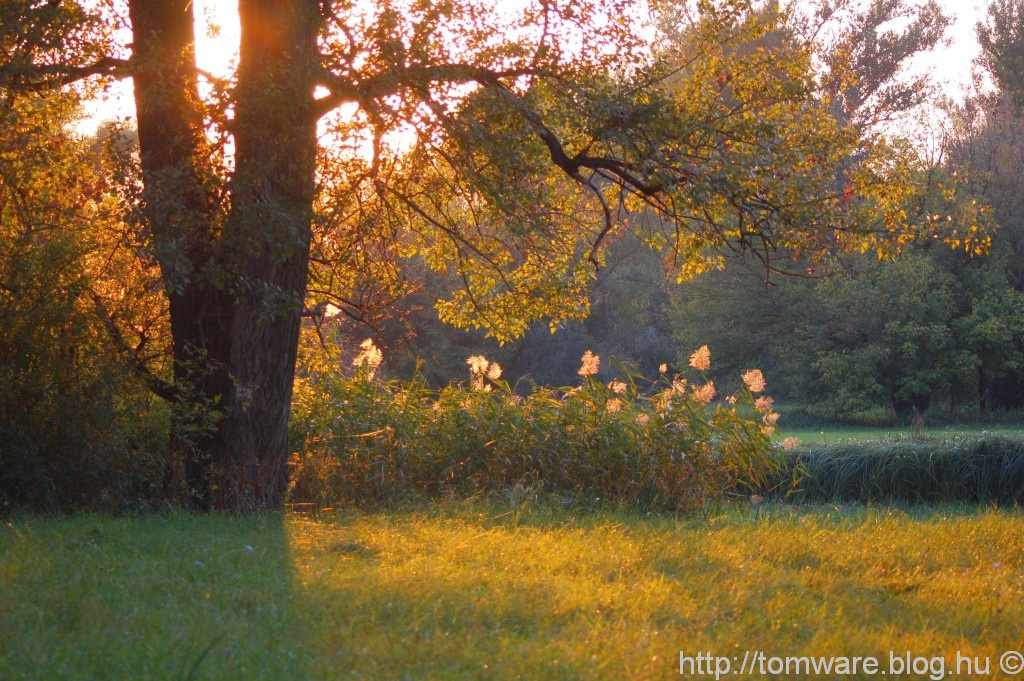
<point>510,147</point>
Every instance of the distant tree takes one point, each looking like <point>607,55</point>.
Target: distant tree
<point>985,147</point>
<point>1001,36</point>
<point>867,59</point>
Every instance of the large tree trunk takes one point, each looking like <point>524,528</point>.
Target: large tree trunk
<point>236,294</point>
<point>177,213</point>
<point>268,236</point>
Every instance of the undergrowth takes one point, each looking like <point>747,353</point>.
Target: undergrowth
<point>665,444</point>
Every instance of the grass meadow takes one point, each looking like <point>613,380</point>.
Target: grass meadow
<point>473,591</point>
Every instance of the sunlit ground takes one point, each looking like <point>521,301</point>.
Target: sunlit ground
<point>472,591</point>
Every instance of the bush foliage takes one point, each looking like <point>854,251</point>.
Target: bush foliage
<point>77,428</point>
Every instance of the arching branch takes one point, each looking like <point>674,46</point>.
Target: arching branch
<point>49,76</point>
<point>159,387</point>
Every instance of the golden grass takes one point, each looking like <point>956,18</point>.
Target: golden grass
<point>465,591</point>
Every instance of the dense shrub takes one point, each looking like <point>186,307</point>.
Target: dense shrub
<point>662,445</point>
<point>984,468</point>
<point>77,428</point>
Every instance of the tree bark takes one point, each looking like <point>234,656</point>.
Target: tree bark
<point>236,292</point>
<point>177,213</point>
<point>268,238</point>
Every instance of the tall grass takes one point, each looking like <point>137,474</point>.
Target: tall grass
<point>649,445</point>
<point>985,468</point>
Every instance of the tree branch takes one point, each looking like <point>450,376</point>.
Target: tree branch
<point>621,170</point>
<point>392,82</point>
<point>158,386</point>
<point>55,75</point>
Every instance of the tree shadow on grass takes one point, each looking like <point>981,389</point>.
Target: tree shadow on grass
<point>158,597</point>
